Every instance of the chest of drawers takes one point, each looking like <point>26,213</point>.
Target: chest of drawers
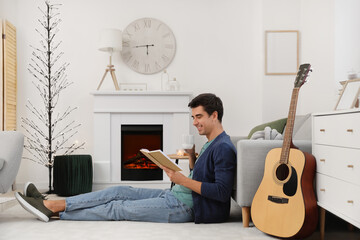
<point>336,147</point>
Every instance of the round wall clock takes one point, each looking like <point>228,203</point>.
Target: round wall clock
<point>148,45</point>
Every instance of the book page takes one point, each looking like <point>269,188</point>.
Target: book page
<point>159,158</point>
<point>147,154</point>
<point>164,160</point>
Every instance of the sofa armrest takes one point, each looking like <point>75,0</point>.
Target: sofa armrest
<point>251,156</point>
<point>2,162</point>
<point>11,149</point>
<point>235,139</point>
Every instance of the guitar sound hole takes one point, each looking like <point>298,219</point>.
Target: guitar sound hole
<point>282,172</point>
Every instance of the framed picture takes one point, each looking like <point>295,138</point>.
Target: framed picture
<point>349,95</point>
<point>281,52</point>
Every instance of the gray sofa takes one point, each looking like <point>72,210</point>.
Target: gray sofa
<point>11,149</point>
<point>251,156</point>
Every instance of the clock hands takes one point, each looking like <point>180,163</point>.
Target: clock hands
<point>147,47</point>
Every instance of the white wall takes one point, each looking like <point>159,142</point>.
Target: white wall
<point>315,21</point>
<point>347,38</point>
<point>8,10</point>
<point>220,49</point>
<point>277,89</point>
<point>329,37</point>
<point>317,25</point>
<point>217,51</point>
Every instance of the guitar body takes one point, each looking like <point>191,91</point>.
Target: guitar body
<point>285,203</point>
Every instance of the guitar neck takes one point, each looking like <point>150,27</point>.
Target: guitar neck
<point>289,127</point>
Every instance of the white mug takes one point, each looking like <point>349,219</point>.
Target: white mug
<point>187,141</point>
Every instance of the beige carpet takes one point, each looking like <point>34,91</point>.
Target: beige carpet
<point>16,223</point>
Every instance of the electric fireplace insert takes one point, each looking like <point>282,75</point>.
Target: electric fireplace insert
<point>134,165</point>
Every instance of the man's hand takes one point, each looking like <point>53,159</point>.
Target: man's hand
<point>191,151</point>
<point>180,179</point>
<point>192,156</point>
<point>175,177</point>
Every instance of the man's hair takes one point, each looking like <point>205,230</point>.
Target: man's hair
<point>210,102</point>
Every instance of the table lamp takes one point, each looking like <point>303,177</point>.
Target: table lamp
<point>110,41</point>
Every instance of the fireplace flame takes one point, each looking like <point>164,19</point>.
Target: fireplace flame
<point>137,161</point>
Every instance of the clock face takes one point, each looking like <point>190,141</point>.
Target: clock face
<point>148,45</point>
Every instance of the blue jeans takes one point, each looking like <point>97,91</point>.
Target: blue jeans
<point>127,203</point>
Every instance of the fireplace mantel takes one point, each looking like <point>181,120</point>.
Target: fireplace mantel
<point>147,101</point>
<point>114,108</point>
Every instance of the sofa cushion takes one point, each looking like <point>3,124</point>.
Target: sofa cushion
<point>267,134</point>
<point>302,127</point>
<point>2,162</point>
<point>279,125</point>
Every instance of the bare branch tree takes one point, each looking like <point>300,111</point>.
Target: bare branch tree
<point>43,138</point>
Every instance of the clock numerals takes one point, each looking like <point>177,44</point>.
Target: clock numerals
<point>157,66</point>
<point>129,34</point>
<point>169,46</point>
<point>136,27</point>
<point>126,44</point>
<point>147,68</point>
<point>165,58</point>
<point>135,64</point>
<point>158,27</point>
<point>127,56</point>
<point>166,35</point>
<point>147,23</point>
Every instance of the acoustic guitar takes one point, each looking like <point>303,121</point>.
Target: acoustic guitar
<point>285,203</point>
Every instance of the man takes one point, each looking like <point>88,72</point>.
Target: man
<point>203,196</point>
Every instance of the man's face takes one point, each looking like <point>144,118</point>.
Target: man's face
<point>202,121</point>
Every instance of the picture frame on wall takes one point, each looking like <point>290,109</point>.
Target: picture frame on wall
<point>349,95</point>
<point>281,52</point>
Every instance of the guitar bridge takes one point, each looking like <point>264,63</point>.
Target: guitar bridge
<point>278,199</point>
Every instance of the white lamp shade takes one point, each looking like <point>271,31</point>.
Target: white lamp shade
<point>110,40</point>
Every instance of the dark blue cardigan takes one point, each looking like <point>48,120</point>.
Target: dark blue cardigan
<point>215,168</point>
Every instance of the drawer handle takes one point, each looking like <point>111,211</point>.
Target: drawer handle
<point>322,189</point>
<point>322,160</point>
<point>350,130</point>
<point>350,166</point>
<point>350,201</point>
<point>322,130</point>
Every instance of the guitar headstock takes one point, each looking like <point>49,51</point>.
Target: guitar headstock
<point>302,74</point>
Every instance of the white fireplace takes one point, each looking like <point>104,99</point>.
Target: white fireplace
<point>112,109</point>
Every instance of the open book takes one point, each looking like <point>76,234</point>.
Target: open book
<point>159,158</point>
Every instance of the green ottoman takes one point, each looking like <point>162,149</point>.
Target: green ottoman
<point>73,174</point>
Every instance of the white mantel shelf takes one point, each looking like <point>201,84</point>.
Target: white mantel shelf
<point>112,109</point>
<point>141,101</point>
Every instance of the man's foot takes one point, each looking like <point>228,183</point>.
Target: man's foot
<point>34,206</point>
<point>31,191</point>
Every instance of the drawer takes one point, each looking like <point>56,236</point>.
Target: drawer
<point>340,196</point>
<point>337,130</point>
<point>342,163</point>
